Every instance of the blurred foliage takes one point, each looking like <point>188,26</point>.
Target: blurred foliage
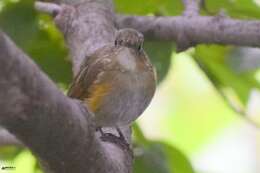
<point>186,112</point>
<point>24,162</point>
<point>157,157</point>
<point>9,152</point>
<point>37,36</point>
<point>142,7</point>
<point>212,60</point>
<point>189,121</point>
<point>160,55</point>
<point>238,8</point>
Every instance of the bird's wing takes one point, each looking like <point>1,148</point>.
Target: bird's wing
<point>76,89</point>
<point>89,85</point>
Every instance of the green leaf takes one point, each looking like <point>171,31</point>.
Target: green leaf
<point>152,159</point>
<point>160,55</point>
<point>24,162</point>
<point>38,37</point>
<point>212,60</point>
<point>142,7</point>
<point>188,112</point>
<point>157,157</point>
<point>9,152</point>
<point>178,162</point>
<point>238,8</point>
<point>18,20</point>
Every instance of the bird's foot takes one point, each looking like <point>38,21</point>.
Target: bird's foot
<point>118,140</point>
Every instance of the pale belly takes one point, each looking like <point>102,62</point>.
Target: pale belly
<point>126,102</point>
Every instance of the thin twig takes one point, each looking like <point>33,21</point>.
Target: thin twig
<point>46,7</point>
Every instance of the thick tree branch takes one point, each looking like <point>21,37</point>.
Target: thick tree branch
<point>188,32</point>
<point>57,129</point>
<point>86,27</point>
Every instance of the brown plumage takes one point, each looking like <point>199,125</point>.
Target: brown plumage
<point>117,82</point>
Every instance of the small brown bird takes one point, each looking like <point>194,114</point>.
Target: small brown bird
<point>117,82</point>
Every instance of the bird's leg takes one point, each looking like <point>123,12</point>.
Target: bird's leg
<point>119,140</point>
<point>121,135</point>
<point>104,134</point>
<point>100,130</point>
<point>122,140</point>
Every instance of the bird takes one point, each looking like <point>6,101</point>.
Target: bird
<point>117,82</point>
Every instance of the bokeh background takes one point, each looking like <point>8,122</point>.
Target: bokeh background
<point>205,116</point>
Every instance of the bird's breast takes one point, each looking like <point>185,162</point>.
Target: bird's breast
<point>127,60</point>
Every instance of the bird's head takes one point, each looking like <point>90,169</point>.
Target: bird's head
<point>129,38</point>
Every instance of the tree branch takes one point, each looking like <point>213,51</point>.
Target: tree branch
<point>188,32</point>
<point>49,8</point>
<point>86,27</point>
<point>57,129</point>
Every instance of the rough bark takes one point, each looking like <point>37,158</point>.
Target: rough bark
<point>57,129</point>
<point>190,31</point>
<point>86,26</point>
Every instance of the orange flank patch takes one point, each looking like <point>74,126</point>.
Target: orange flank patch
<point>97,92</point>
